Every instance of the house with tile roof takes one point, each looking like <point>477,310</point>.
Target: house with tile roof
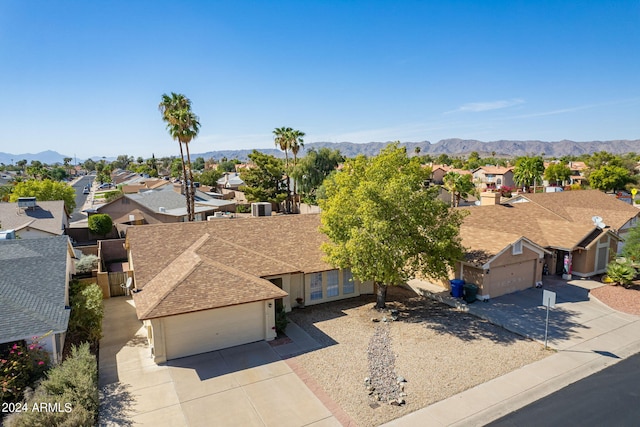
<point>34,291</point>
<point>493,177</point>
<point>508,245</point>
<point>203,286</point>
<point>45,219</point>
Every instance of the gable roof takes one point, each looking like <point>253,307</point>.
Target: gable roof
<point>184,267</point>
<point>33,287</point>
<point>559,220</point>
<point>496,170</point>
<point>582,205</point>
<point>47,216</point>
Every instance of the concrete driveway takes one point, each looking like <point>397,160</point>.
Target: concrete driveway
<point>248,385</point>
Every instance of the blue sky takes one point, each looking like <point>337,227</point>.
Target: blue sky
<point>85,77</point>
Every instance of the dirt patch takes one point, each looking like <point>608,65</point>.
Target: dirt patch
<point>626,300</point>
<point>438,350</point>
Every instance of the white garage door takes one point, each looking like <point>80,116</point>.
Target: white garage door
<point>210,330</point>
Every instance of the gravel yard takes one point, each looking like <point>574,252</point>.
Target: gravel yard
<point>438,350</point>
<point>626,300</point>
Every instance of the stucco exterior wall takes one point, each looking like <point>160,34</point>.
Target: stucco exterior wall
<point>359,288</point>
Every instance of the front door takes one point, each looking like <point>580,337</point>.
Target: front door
<point>279,304</point>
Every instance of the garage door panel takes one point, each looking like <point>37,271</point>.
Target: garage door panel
<point>512,278</point>
<point>210,330</point>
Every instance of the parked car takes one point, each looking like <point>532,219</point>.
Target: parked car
<point>86,190</point>
<point>105,186</point>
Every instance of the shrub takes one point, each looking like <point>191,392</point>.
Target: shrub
<point>73,386</point>
<point>243,208</point>
<point>21,365</point>
<point>100,224</point>
<point>87,311</point>
<point>621,272</point>
<point>86,264</point>
<point>281,321</point>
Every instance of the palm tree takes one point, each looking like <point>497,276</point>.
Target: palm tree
<point>296,142</point>
<point>528,171</point>
<point>282,140</point>
<point>458,185</point>
<point>183,126</point>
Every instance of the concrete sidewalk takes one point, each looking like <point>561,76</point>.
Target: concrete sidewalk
<point>587,335</point>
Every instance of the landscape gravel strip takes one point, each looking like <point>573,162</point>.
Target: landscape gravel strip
<point>438,350</point>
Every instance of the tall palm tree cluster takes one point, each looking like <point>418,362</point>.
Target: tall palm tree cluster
<point>183,126</point>
<point>288,139</point>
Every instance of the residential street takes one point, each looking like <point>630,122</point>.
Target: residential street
<point>609,397</point>
<point>77,214</point>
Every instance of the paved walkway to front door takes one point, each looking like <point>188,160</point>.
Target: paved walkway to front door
<point>248,385</point>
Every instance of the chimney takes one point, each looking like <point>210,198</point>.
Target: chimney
<point>488,198</point>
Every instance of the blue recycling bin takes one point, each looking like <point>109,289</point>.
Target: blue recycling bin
<point>457,286</point>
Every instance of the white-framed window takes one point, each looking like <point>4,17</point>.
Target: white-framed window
<point>517,247</point>
<point>347,282</point>
<point>315,286</point>
<point>332,283</point>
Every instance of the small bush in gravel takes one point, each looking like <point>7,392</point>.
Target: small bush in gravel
<point>21,365</point>
<point>70,394</point>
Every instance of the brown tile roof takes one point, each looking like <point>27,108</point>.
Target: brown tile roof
<point>497,170</point>
<point>185,267</point>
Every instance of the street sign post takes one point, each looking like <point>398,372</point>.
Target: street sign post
<point>548,300</point>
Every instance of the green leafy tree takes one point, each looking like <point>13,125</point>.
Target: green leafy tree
<point>528,171</point>
<point>264,182</point>
<point>58,173</point>
<point>313,168</point>
<point>631,249</point>
<point>100,224</point>
<point>183,126</point>
<point>459,185</point>
<point>227,166</point>
<point>557,173</point>
<point>89,165</point>
<point>209,177</point>
<point>609,178</point>
<point>198,164</point>
<point>385,225</point>
<point>123,161</point>
<point>45,190</point>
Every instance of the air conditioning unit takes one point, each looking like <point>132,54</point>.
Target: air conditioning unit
<point>162,209</point>
<point>27,202</point>
<point>261,209</point>
<point>218,214</point>
<point>7,235</point>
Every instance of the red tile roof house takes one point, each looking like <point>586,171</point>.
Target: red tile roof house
<point>509,244</point>
<point>204,286</point>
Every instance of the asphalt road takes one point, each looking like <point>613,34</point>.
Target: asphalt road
<point>77,215</point>
<point>610,397</point>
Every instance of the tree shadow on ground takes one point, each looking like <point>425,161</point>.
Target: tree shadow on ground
<point>444,319</point>
<point>115,405</point>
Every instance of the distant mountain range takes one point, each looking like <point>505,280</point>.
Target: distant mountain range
<point>456,147</point>
<point>451,147</point>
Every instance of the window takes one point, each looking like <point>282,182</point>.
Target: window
<point>517,247</point>
<point>332,283</point>
<point>315,286</point>
<point>347,282</point>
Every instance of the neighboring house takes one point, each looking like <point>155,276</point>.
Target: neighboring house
<point>578,173</point>
<point>34,291</point>
<point>40,219</point>
<point>164,205</point>
<point>493,177</point>
<point>230,181</point>
<point>509,244</point>
<point>203,286</point>
<point>439,171</point>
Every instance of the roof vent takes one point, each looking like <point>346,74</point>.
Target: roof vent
<point>162,209</point>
